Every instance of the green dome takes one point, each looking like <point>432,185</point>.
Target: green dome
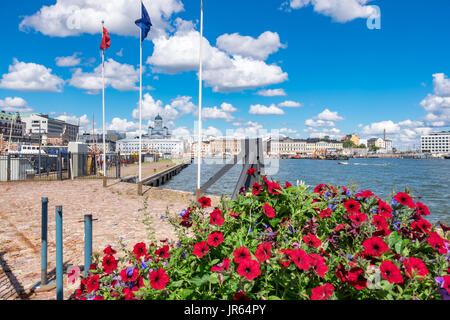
<point>158,117</point>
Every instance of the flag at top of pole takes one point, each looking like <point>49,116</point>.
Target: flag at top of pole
<point>144,22</point>
<point>106,40</point>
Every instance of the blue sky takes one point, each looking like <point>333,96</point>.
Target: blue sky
<point>345,77</point>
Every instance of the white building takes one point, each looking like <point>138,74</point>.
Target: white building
<point>165,146</point>
<point>158,131</point>
<point>50,128</point>
<point>435,143</point>
<point>302,146</point>
<point>376,142</point>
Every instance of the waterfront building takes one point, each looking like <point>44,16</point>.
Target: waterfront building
<point>95,142</point>
<point>225,146</point>
<point>205,150</point>
<point>289,146</point>
<point>158,131</point>
<point>173,147</point>
<point>376,142</point>
<point>435,143</point>
<point>11,125</point>
<point>52,130</point>
<point>353,138</point>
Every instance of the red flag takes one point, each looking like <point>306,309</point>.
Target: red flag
<point>106,40</point>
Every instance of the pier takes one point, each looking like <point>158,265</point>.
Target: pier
<point>158,178</point>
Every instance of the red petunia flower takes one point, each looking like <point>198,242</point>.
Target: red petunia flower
<point>341,273</point>
<point>384,209</point>
<point>287,184</point>
<point>205,202</point>
<point>358,218</point>
<point>223,266</point>
<point>215,238</point>
<point>355,277</point>
<point>216,217</point>
<point>109,264</point>
<point>249,269</point>
<point>322,292</point>
<point>365,194</point>
<point>129,294</point>
<point>339,227</point>
<point>163,252</point>
<point>235,214</point>
<point>422,209</point>
<point>326,213</point>
<point>240,295</point>
<point>268,210</point>
<point>421,225</point>
<point>301,259</point>
<point>200,249</point>
<point>312,241</point>
<point>415,267</point>
<point>125,277</point>
<point>92,283</point>
<point>446,284</point>
<point>391,272</point>
<point>158,279</point>
<point>352,206</point>
<point>257,188</point>
<point>437,242</point>
<point>380,222</point>
<point>139,250</point>
<point>262,253</point>
<point>375,246</point>
<point>251,171</point>
<point>287,257</point>
<point>241,254</point>
<point>109,251</point>
<point>320,189</point>
<point>404,199</point>
<point>318,264</point>
<point>272,186</point>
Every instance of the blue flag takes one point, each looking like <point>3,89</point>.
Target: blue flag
<point>144,23</point>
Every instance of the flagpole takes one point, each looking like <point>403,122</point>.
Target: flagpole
<point>103,102</point>
<point>199,143</point>
<point>140,103</point>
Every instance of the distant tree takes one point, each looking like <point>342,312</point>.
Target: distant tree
<point>362,146</point>
<point>326,138</point>
<point>349,144</point>
<point>374,148</point>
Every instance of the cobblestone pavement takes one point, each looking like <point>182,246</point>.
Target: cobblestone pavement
<point>117,211</point>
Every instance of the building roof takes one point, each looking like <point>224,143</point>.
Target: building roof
<point>158,117</point>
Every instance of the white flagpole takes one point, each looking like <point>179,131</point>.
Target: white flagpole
<point>199,143</point>
<point>103,102</point>
<point>140,103</point>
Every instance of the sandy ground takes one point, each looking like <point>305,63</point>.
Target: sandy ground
<point>117,212</point>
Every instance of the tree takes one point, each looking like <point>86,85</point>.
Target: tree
<point>349,144</point>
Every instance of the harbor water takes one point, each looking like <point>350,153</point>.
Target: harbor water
<point>428,179</point>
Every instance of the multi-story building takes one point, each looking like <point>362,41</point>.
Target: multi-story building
<point>376,142</point>
<point>95,142</point>
<point>49,128</point>
<point>11,125</point>
<point>205,149</point>
<point>353,138</point>
<point>173,147</point>
<point>289,146</point>
<point>225,146</point>
<point>158,131</point>
<point>435,143</point>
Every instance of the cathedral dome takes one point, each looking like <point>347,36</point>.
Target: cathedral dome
<point>158,117</point>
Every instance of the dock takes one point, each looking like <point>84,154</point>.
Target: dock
<point>158,178</point>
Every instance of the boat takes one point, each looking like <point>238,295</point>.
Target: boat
<point>343,162</point>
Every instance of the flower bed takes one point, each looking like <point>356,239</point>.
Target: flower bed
<point>286,242</point>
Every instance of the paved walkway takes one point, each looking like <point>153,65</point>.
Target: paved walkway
<point>117,212</point>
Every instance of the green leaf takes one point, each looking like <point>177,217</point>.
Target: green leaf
<point>274,298</point>
<point>185,293</point>
<point>273,222</point>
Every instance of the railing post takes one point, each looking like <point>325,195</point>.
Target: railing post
<point>87,242</point>
<point>44,241</point>
<point>59,253</point>
<point>59,166</point>
<point>118,166</point>
<point>8,168</point>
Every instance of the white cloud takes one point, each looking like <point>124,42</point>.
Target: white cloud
<point>339,10</point>
<point>83,121</point>
<point>119,76</point>
<point>15,104</point>
<point>123,125</point>
<point>437,105</point>
<point>329,115</point>
<point>224,112</point>
<point>75,17</point>
<point>151,108</point>
<point>333,133</point>
<point>271,92</point>
<point>441,85</point>
<point>246,46</point>
<point>69,61</point>
<point>288,131</point>
<point>180,52</point>
<point>211,131</point>
<point>326,118</point>
<point>24,76</point>
<point>290,104</point>
<point>120,52</point>
<point>264,110</point>
<point>181,132</point>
